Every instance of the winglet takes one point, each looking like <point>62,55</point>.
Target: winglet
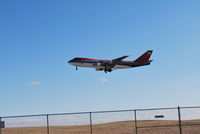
<point>145,57</point>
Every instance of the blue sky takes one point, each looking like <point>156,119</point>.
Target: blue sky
<point>37,38</point>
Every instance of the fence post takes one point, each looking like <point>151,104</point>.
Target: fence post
<point>135,121</point>
<point>47,124</point>
<point>0,127</point>
<point>179,118</point>
<point>90,122</point>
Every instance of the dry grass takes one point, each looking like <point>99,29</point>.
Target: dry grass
<point>126,127</point>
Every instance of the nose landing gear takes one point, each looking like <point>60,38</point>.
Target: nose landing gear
<point>76,68</point>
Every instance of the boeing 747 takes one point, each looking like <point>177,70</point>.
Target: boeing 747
<point>110,65</point>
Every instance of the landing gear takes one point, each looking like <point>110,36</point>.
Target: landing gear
<point>107,70</point>
<point>76,68</point>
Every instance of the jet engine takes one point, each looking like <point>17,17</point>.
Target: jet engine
<point>97,65</point>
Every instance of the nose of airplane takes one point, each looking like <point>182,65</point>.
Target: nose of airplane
<point>71,61</point>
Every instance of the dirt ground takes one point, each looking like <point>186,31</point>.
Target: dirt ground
<point>126,127</point>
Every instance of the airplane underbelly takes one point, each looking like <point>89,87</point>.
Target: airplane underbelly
<point>120,67</point>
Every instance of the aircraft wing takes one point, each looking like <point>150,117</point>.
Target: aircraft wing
<point>114,62</point>
<point>117,60</point>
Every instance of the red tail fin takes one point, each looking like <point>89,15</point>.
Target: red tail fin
<point>145,57</point>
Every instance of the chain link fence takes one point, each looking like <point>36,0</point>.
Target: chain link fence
<point>176,120</point>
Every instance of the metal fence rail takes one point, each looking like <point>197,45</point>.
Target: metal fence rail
<point>176,120</point>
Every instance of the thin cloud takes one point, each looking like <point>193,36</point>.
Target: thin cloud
<point>35,83</point>
<point>103,80</point>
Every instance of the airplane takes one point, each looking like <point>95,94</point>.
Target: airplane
<point>110,65</point>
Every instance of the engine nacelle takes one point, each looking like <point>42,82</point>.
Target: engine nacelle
<point>97,65</point>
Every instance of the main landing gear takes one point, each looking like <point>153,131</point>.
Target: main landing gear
<point>107,70</point>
